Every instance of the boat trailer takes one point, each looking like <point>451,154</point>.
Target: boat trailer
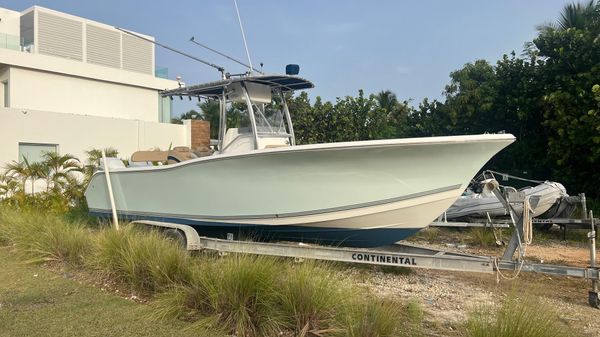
<point>404,254</point>
<point>399,254</point>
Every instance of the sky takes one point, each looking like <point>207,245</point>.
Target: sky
<point>408,47</point>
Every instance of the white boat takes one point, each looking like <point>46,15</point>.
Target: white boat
<point>479,205</point>
<point>259,184</point>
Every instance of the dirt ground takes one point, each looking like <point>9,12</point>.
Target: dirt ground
<point>448,297</point>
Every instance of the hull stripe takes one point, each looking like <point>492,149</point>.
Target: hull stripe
<point>283,215</point>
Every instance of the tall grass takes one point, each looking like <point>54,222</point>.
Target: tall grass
<point>483,237</point>
<point>375,318</point>
<point>144,259</point>
<point>45,237</point>
<point>311,299</point>
<point>242,295</point>
<point>523,317</point>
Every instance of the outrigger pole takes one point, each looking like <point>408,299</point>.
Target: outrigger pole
<point>219,68</point>
<point>193,40</point>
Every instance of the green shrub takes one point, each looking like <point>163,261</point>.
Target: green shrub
<point>45,237</point>
<point>483,237</point>
<point>236,295</point>
<point>241,294</point>
<point>144,259</point>
<point>311,299</point>
<point>374,317</point>
<point>523,317</point>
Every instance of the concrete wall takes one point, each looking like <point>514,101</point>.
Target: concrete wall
<point>36,90</point>
<point>10,22</point>
<point>75,134</point>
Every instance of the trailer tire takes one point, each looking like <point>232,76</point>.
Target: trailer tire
<point>176,236</point>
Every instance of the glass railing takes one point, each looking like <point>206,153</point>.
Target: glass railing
<point>161,72</point>
<point>10,42</point>
<point>13,42</point>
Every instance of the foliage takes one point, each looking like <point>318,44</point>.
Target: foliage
<point>145,260</point>
<point>376,318</point>
<point>482,236</point>
<point>44,237</point>
<point>311,299</point>
<point>524,317</point>
<point>240,295</point>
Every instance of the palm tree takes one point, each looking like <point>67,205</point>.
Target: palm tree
<point>192,114</point>
<point>584,16</point>
<point>19,170</point>
<point>211,112</point>
<point>93,160</point>
<point>8,186</point>
<point>387,100</point>
<point>60,167</point>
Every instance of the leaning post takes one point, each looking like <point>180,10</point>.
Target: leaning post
<point>110,191</point>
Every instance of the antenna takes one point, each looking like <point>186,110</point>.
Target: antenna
<point>193,40</point>
<point>219,68</point>
<point>243,35</point>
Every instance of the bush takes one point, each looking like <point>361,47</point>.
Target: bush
<point>45,237</point>
<point>523,317</point>
<point>145,260</point>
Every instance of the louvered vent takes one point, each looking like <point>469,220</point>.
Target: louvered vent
<point>103,46</point>
<point>137,55</point>
<point>60,36</point>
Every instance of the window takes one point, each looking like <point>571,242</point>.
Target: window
<point>6,94</point>
<point>164,109</point>
<point>35,152</point>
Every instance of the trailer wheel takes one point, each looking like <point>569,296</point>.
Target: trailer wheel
<point>176,236</point>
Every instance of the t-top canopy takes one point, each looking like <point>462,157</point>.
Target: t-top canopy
<point>214,89</point>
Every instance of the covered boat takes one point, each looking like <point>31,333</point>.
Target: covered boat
<point>543,198</point>
<point>260,184</point>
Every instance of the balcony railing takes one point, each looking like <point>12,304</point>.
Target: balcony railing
<point>161,72</point>
<point>13,42</point>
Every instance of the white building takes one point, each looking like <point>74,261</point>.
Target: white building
<point>69,84</point>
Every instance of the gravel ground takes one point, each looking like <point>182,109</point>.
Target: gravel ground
<point>447,298</point>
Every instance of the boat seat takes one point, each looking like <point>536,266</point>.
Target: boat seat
<point>177,155</point>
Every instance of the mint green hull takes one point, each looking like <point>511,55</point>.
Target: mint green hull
<point>403,183</point>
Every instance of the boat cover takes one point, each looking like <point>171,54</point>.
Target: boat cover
<point>548,194</point>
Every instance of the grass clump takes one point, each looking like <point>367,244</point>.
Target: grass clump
<point>523,317</point>
<point>483,237</point>
<point>234,295</point>
<point>45,237</point>
<point>144,259</point>
<point>375,318</point>
<point>311,298</point>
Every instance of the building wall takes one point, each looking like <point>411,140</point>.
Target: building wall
<point>10,22</point>
<point>36,90</point>
<point>75,134</point>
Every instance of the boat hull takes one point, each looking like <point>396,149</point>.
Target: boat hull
<point>353,194</point>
